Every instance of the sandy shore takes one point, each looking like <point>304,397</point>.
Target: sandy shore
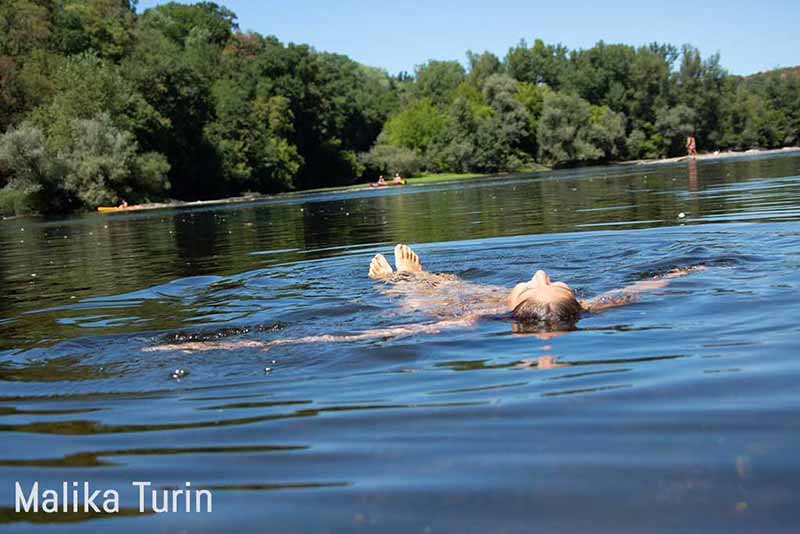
<point>712,155</point>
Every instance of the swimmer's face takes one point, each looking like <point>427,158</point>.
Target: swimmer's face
<point>541,290</point>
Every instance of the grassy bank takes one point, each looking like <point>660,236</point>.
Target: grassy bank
<point>425,179</point>
<point>443,176</point>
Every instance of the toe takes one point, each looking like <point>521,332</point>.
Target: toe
<point>379,267</point>
<point>399,256</point>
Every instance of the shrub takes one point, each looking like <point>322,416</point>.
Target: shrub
<point>33,172</point>
<point>389,159</point>
<point>15,201</point>
<point>103,165</point>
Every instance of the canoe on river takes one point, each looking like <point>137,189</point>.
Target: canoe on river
<point>387,184</point>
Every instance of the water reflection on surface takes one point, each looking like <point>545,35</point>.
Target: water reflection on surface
<point>676,413</point>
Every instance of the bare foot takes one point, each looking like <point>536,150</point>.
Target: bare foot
<point>379,267</point>
<point>406,260</point>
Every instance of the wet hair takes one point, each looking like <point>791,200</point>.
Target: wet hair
<point>560,315</point>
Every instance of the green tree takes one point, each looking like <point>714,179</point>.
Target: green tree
<point>387,160</point>
<point>601,75</point>
<point>674,125</point>
<point>25,25</point>
<point>481,66</point>
<point>105,27</point>
<point>437,80</point>
<point>698,85</point>
<point>99,164</point>
<point>502,135</point>
<point>541,63</point>
<point>178,90</point>
<point>34,175</point>
<point>780,91</point>
<point>572,131</point>
<point>103,166</point>
<point>86,86</point>
<point>607,132</point>
<point>248,137</point>
<point>415,127</point>
<point>179,22</point>
<point>648,87</point>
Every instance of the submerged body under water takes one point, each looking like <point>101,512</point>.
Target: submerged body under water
<point>677,413</point>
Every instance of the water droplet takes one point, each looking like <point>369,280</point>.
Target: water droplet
<point>177,374</point>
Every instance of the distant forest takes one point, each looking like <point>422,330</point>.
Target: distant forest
<point>99,103</point>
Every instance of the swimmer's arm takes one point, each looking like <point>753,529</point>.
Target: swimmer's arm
<point>204,345</point>
<point>628,294</point>
<point>381,333</point>
<point>385,333</point>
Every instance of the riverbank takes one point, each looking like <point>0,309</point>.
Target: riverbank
<point>712,156</point>
<point>437,177</point>
<point>253,197</point>
<point>443,177</point>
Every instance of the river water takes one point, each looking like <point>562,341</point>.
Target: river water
<point>678,413</point>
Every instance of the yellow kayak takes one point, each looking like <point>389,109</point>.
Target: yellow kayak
<point>388,184</point>
<point>110,208</point>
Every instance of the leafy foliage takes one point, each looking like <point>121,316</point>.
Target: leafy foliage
<point>99,103</point>
<point>389,159</point>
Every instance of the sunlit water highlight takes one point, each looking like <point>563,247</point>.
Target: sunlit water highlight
<point>676,413</point>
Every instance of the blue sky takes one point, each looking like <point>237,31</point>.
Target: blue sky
<point>751,36</point>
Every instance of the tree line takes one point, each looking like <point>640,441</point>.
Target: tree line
<point>99,103</point>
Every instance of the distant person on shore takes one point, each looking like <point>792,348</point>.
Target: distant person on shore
<point>539,306</point>
<point>691,146</point>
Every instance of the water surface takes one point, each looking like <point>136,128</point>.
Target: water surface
<point>678,413</point>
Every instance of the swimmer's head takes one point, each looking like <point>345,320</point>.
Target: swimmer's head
<point>542,304</point>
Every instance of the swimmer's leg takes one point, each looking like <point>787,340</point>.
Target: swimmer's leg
<point>379,267</point>
<point>406,260</point>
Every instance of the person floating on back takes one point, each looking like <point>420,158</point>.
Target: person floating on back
<point>538,306</point>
